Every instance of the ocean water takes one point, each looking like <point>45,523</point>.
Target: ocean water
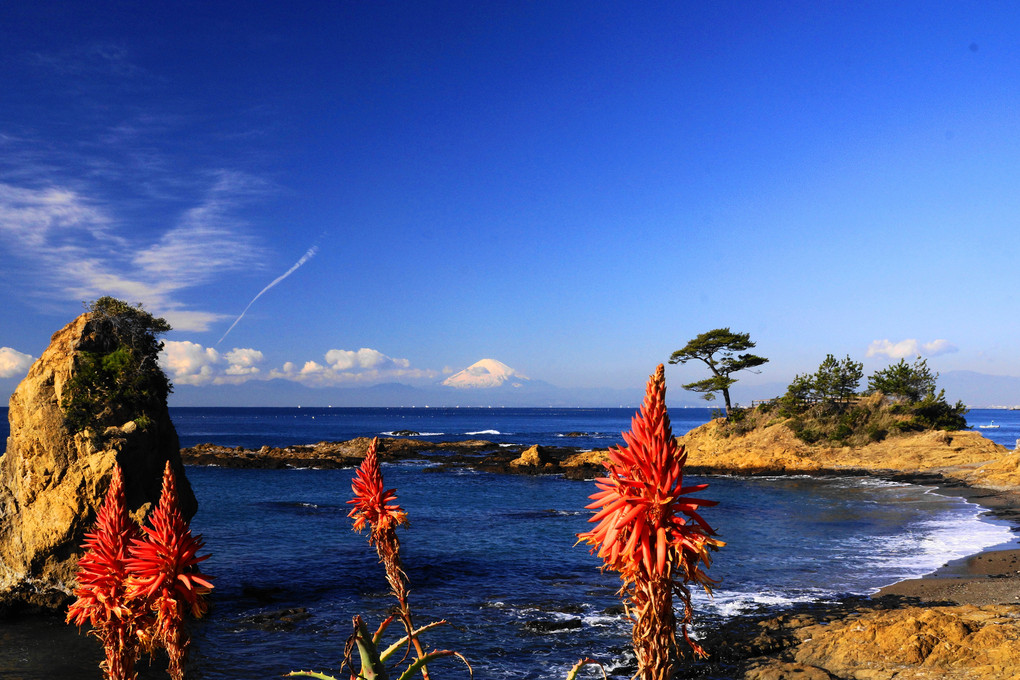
<point>254,427</point>
<point>601,427</point>
<point>495,554</point>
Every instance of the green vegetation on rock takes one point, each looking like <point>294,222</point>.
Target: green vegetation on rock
<point>825,407</point>
<point>117,376</point>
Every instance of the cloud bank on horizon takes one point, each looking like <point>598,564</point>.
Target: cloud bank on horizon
<point>189,363</point>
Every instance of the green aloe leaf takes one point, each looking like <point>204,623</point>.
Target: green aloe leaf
<point>389,651</point>
<point>372,667</point>
<point>430,657</point>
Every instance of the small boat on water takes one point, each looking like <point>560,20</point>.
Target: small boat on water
<point>989,426</point>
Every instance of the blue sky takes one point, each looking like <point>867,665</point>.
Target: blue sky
<point>572,188</point>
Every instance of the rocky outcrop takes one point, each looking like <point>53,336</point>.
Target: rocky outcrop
<point>776,450</point>
<point>52,481</point>
<point>905,643</point>
<point>1002,474</point>
<point>534,457</point>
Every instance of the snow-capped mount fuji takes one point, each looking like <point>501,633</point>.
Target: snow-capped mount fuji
<point>487,373</point>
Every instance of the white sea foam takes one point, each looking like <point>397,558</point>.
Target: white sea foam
<point>932,543</point>
<point>604,620</point>
<point>731,603</point>
<point>488,432</point>
<point>420,434</point>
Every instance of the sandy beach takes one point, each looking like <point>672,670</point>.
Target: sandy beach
<point>987,578</point>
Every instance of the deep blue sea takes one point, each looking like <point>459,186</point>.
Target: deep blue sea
<point>495,554</point>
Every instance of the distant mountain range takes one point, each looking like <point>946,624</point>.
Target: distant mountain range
<point>980,390</point>
<point>492,383</point>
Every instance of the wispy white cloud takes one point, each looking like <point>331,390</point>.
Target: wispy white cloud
<point>91,59</point>
<point>72,246</point>
<point>910,348</point>
<point>116,208</point>
<point>47,217</point>
<point>190,363</point>
<point>14,364</point>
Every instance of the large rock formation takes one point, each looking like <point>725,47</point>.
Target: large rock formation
<point>909,643</point>
<point>52,481</point>
<point>775,449</point>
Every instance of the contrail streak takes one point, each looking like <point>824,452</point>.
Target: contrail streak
<point>304,258</point>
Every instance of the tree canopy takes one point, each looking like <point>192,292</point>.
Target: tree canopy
<point>910,382</point>
<point>117,376</point>
<point>837,380</point>
<point>826,405</point>
<point>719,350</point>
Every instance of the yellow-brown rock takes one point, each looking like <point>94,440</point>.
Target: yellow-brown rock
<point>586,459</point>
<point>957,643</point>
<point>51,482</point>
<point>1000,474</point>
<point>786,671</point>
<point>532,457</point>
<point>775,449</point>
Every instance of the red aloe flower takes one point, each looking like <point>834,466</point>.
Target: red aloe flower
<point>102,574</point>
<point>375,507</point>
<point>651,532</point>
<point>371,503</point>
<point>164,572</point>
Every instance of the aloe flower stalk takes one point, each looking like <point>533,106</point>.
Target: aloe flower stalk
<point>375,507</point>
<point>652,533</point>
<point>102,574</point>
<point>164,573</point>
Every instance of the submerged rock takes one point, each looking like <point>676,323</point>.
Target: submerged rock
<point>52,480</point>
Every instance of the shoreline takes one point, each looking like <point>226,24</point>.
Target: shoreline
<point>972,579</point>
<point>987,577</point>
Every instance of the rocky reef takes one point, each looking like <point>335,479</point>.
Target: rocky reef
<point>52,480</point>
